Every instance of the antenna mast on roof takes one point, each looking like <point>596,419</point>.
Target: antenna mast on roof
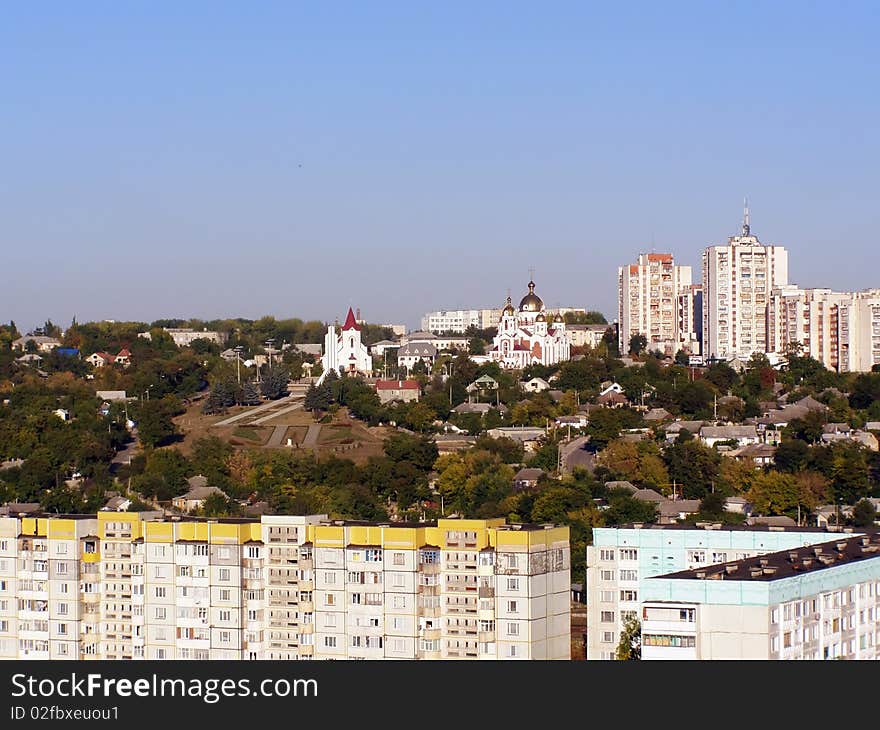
<point>746,226</point>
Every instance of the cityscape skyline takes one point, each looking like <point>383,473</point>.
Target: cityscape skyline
<point>438,158</point>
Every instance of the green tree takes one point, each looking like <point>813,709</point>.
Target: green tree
<point>154,421</point>
<point>318,399</point>
<point>792,455</point>
<point>630,645</point>
<point>637,344</point>
<point>864,514</point>
<point>274,383</point>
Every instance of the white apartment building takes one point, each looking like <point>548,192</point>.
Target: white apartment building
<point>859,335</point>
<point>839,329</point>
<point>737,281</point>
<point>589,335</point>
<point>622,559</point>
<point>818,602</point>
<point>458,320</point>
<point>648,301</point>
<point>134,585</point>
<point>690,318</point>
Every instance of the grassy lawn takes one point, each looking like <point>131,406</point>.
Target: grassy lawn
<point>250,434</point>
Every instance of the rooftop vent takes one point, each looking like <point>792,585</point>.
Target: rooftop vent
<point>731,568</point>
<point>763,561</point>
<point>701,574</point>
<point>807,562</point>
<point>638,525</point>
<point>866,540</point>
<point>826,559</point>
<point>793,556</point>
<point>841,546</point>
<point>769,570</point>
<point>756,572</point>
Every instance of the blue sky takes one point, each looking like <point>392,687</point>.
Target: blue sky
<point>217,159</point>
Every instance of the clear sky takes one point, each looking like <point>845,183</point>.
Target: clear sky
<point>215,159</point>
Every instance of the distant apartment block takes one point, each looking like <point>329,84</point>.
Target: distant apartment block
<point>738,279</point>
<point>816,602</point>
<point>184,337</point>
<point>121,585</point>
<point>622,559</point>
<point>458,320</point>
<point>586,335</point>
<point>690,318</point>
<point>648,301</point>
<point>839,329</point>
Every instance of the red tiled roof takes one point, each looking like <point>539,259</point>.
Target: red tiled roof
<point>124,352</point>
<point>397,385</point>
<point>659,257</point>
<point>350,322</point>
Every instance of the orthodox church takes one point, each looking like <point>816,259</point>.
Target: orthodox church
<point>530,335</point>
<point>344,352</point>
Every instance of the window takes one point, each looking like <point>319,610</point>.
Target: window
<point>398,559</point>
<point>224,575</point>
<point>774,616</point>
<point>513,584</point>
<point>606,617</point>
<point>62,629</point>
<point>330,599</point>
<point>687,614</point>
<point>607,575</point>
<point>629,595</point>
<point>719,557</point>
<point>225,637</point>
<point>223,553</point>
<point>253,552</point>
<point>608,637</point>
<point>62,609</point>
<point>330,642</point>
<point>397,601</point>
<point>511,606</point>
<point>669,640</point>
<point>512,629</point>
<point>225,615</point>
<point>697,556</point>
<point>513,650</point>
<point>224,594</point>
<point>629,554</point>
<point>159,591</point>
<point>159,613</point>
<point>330,577</point>
<point>606,554</point>
<point>61,568</point>
<point>629,575</point>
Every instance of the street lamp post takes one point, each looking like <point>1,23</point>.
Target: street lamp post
<point>238,363</point>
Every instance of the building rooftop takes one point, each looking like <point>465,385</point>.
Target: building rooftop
<point>789,563</point>
<point>736,528</point>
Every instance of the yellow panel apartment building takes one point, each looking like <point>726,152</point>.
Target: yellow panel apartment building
<point>129,585</point>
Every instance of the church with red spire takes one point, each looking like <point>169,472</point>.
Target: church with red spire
<point>343,350</point>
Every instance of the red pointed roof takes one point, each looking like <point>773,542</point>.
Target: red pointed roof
<point>350,322</point>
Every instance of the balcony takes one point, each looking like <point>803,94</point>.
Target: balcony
<point>486,592</point>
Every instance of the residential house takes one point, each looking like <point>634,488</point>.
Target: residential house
<point>536,385</point>
<point>738,505</point>
<point>117,503</point>
<point>577,421</point>
<point>672,510</point>
<point>527,478</point>
<point>760,455</point>
<point>673,430</point>
<point>529,436</point>
<point>397,390</point>
<point>610,387</point>
<point>481,408</point>
<point>612,399</point>
<point>743,435</point>
<point>102,359</point>
<point>414,352</point>
<point>63,414</point>
<point>622,484</point>
<point>43,344</point>
<point>378,349</point>
<point>657,414</point>
<point>30,358</point>
<point>111,395</point>
<point>195,498</point>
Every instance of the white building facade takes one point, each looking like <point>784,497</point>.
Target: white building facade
<point>647,301</point>
<point>738,279</point>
